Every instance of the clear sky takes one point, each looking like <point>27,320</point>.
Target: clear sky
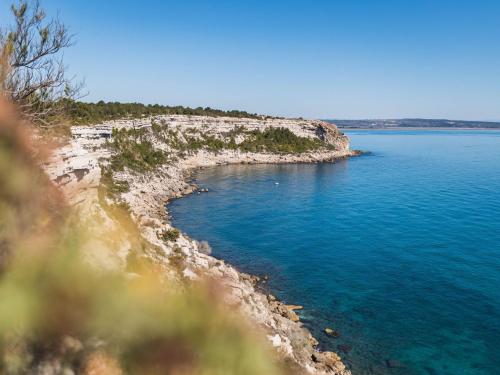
<point>316,59</point>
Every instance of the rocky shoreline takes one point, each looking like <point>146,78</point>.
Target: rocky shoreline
<point>77,169</point>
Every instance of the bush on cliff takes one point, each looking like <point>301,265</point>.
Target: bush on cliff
<point>170,234</point>
<point>133,150</point>
<point>112,187</point>
<point>273,140</point>
<point>279,140</point>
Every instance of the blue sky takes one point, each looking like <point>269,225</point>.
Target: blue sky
<point>316,59</point>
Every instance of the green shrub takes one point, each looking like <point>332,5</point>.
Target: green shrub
<point>132,150</point>
<point>170,235</point>
<point>113,188</point>
<point>279,140</point>
<point>274,140</point>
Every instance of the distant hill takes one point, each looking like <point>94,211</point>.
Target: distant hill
<point>414,123</point>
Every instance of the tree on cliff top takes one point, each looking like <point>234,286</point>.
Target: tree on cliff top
<point>32,71</point>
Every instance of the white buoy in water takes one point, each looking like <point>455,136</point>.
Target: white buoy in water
<point>276,183</point>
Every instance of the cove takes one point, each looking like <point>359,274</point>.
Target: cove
<point>398,250</point>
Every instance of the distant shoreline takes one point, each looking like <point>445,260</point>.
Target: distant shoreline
<point>417,128</point>
<point>415,123</point>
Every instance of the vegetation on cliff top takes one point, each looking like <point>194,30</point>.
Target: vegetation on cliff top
<point>134,149</point>
<point>273,140</point>
<point>279,140</point>
<point>93,113</point>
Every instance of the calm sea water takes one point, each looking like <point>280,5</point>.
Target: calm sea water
<point>398,250</point>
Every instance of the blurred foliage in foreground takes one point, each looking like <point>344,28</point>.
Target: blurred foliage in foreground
<point>60,316</point>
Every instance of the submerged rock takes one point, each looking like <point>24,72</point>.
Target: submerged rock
<point>332,333</point>
<point>393,363</point>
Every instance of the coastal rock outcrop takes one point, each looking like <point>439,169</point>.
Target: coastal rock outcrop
<point>330,134</point>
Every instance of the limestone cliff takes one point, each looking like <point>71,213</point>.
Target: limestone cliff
<point>179,145</point>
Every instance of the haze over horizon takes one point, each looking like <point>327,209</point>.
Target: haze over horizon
<point>410,118</point>
<point>321,59</point>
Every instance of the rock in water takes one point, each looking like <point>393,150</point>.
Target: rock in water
<point>332,333</point>
<point>392,363</point>
<point>295,307</point>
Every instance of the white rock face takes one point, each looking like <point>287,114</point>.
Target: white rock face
<point>189,274</point>
<point>75,168</point>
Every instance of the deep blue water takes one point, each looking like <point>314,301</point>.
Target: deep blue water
<point>398,250</point>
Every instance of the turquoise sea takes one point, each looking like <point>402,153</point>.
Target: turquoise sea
<point>398,250</point>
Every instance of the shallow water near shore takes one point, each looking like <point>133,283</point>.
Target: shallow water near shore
<point>397,250</point>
